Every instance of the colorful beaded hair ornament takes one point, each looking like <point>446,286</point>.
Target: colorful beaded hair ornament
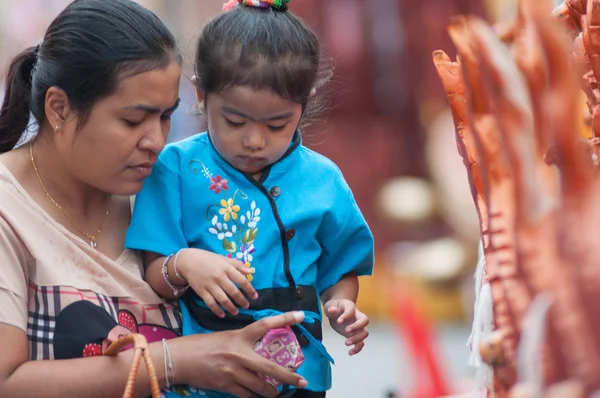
<point>275,4</point>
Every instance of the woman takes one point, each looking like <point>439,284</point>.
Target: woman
<point>102,87</point>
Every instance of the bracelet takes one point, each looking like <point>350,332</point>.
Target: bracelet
<point>177,274</point>
<point>168,365</point>
<point>177,291</point>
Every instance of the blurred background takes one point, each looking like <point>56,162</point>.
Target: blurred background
<point>388,128</point>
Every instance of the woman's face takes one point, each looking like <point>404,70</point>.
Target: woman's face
<point>116,147</point>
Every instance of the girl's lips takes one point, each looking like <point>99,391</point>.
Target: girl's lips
<point>252,159</point>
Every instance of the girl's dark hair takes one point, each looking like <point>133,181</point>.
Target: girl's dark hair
<point>84,52</point>
<point>260,48</point>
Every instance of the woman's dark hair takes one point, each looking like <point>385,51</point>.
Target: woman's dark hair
<point>85,51</point>
<point>260,48</point>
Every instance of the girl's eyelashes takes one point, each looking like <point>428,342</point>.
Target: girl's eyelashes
<point>274,129</point>
<point>234,124</point>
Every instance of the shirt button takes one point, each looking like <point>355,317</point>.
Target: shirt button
<point>290,233</point>
<point>299,293</point>
<point>303,341</point>
<point>275,192</point>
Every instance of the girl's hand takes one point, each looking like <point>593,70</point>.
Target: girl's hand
<point>214,278</point>
<point>348,321</point>
<point>227,362</point>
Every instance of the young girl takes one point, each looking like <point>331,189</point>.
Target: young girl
<point>245,213</point>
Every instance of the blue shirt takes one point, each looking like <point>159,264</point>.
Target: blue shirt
<point>298,226</point>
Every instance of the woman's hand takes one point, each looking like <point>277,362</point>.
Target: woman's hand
<point>227,362</point>
<point>214,278</point>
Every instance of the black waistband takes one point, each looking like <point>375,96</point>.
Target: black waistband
<point>279,299</point>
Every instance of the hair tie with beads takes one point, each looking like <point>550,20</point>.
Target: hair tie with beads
<point>275,4</point>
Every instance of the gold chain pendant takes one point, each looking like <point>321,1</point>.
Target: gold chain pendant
<point>93,243</point>
<point>92,239</point>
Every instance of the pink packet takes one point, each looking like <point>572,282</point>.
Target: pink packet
<point>280,346</point>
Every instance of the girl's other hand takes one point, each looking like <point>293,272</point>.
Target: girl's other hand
<point>214,278</point>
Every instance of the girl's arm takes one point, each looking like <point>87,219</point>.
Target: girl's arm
<point>346,288</point>
<point>213,277</point>
<point>153,263</point>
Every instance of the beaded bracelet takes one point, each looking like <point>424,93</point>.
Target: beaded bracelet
<point>177,291</point>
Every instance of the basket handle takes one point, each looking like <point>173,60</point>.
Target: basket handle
<point>140,348</point>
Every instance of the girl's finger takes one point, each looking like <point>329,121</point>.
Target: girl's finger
<point>235,293</point>
<point>211,303</point>
<point>357,348</point>
<point>333,312</point>
<point>362,321</point>
<point>222,299</point>
<point>238,265</point>
<point>359,337</point>
<point>347,314</point>
<point>243,282</point>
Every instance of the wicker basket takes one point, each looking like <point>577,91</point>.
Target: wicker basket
<point>140,349</point>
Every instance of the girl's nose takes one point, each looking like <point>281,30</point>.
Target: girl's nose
<point>255,140</point>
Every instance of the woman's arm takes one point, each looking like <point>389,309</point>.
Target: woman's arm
<point>222,361</point>
<point>82,377</point>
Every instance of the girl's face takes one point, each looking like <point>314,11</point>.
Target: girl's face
<point>250,128</point>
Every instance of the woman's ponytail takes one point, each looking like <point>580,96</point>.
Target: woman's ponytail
<point>16,108</point>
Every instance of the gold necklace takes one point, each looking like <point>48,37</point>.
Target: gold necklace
<point>92,238</point>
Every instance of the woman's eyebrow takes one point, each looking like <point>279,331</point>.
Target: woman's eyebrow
<point>153,109</point>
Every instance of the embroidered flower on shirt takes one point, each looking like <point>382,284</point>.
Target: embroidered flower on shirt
<point>197,391</point>
<point>236,229</point>
<point>205,171</point>
<point>221,229</point>
<point>245,253</point>
<point>252,216</point>
<point>237,232</point>
<point>218,183</point>
<point>229,209</point>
